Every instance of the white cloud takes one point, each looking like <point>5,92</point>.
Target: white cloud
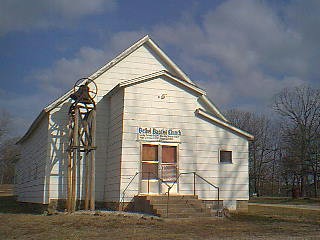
<point>122,40</point>
<point>64,72</point>
<point>17,15</point>
<point>23,108</point>
<point>52,82</point>
<point>243,51</point>
<point>247,48</point>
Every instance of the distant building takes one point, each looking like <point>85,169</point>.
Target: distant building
<point>151,120</point>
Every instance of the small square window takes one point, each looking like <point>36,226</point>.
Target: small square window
<point>225,156</point>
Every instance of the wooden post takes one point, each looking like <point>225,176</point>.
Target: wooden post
<point>87,189</point>
<point>69,186</point>
<point>70,157</point>
<point>73,181</point>
<point>194,183</point>
<point>87,162</point>
<point>92,165</point>
<point>75,155</point>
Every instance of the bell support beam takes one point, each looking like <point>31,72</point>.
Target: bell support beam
<point>82,130</point>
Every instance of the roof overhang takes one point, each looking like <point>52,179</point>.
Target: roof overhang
<point>154,75</point>
<point>145,40</point>
<point>224,124</point>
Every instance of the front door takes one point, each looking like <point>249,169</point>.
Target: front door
<point>159,168</point>
<point>169,168</point>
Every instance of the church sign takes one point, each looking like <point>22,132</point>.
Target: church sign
<point>158,134</point>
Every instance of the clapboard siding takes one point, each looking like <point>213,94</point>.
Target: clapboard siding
<point>102,118</point>
<point>200,141</point>
<point>157,102</point>
<point>57,161</point>
<point>31,168</point>
<point>139,63</point>
<point>114,143</point>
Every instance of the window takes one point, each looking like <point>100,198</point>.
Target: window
<point>225,156</point>
<point>169,154</point>
<point>149,161</point>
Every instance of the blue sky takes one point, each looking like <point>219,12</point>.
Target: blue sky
<point>241,51</point>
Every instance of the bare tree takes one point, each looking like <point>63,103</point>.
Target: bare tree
<point>9,154</point>
<point>9,151</point>
<point>261,149</point>
<point>300,111</point>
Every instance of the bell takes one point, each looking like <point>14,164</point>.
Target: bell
<point>82,95</point>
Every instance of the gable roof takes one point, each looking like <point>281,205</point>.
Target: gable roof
<point>162,73</point>
<point>207,115</point>
<point>145,40</point>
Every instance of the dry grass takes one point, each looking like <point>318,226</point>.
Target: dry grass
<point>244,226</point>
<point>17,225</point>
<point>286,200</point>
<point>287,212</point>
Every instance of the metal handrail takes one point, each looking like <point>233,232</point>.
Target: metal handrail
<point>124,191</point>
<point>211,184</point>
<point>133,177</point>
<point>171,186</point>
<point>194,187</point>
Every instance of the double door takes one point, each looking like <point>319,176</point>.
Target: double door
<point>159,168</point>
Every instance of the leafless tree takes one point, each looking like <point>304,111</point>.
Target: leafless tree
<point>300,111</point>
<point>9,154</point>
<point>9,151</point>
<point>261,149</point>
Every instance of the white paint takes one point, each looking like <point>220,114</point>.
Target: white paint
<point>31,169</point>
<point>147,96</point>
<point>200,141</point>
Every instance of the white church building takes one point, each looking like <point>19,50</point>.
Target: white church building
<point>154,128</point>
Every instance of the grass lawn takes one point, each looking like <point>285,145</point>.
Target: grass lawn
<point>284,200</point>
<point>14,225</point>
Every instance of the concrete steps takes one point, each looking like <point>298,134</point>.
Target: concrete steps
<point>178,206</point>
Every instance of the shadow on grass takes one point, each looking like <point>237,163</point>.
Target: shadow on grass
<point>9,204</point>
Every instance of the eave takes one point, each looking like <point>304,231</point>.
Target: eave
<point>224,124</point>
<point>154,75</point>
